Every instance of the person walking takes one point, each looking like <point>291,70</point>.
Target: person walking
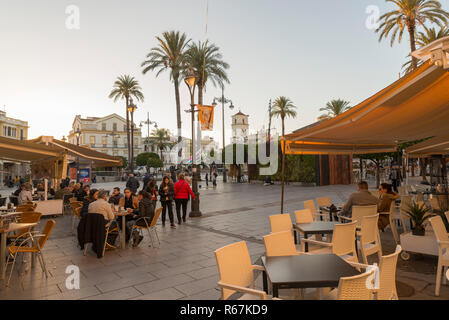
<point>395,177</point>
<point>214,178</point>
<point>146,180</point>
<point>151,188</point>
<point>133,184</point>
<point>182,192</point>
<point>166,194</point>
<point>207,180</point>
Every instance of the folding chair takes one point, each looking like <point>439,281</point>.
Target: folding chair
<point>144,223</point>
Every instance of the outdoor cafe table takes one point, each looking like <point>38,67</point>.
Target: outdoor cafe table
<point>319,227</point>
<point>305,271</point>
<point>123,214</point>
<point>4,235</point>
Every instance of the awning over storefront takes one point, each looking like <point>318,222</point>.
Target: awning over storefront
<point>25,151</point>
<point>99,159</point>
<point>414,107</point>
<point>434,146</point>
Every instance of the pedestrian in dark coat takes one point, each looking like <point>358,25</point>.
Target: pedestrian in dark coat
<point>133,184</point>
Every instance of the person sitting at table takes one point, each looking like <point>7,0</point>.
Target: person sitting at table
<point>101,206</point>
<point>25,195</point>
<point>116,196</point>
<point>130,203</point>
<point>76,190</point>
<point>93,196</point>
<point>387,196</point>
<point>83,193</point>
<point>145,211</point>
<point>361,198</point>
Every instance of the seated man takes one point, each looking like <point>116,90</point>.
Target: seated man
<point>25,195</point>
<point>361,198</point>
<point>130,203</point>
<point>145,212</point>
<point>115,197</point>
<point>101,206</point>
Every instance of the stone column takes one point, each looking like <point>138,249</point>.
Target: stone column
<point>1,175</point>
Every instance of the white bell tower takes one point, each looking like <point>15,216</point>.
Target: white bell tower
<point>240,128</point>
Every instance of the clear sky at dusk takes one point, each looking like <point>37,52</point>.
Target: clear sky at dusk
<point>310,51</point>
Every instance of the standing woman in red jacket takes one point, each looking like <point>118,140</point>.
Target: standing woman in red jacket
<point>182,191</point>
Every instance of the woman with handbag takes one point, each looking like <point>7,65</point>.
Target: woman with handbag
<point>166,194</point>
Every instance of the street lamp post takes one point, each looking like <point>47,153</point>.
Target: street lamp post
<point>223,100</point>
<point>132,108</point>
<point>190,81</point>
<point>148,123</point>
<point>77,135</point>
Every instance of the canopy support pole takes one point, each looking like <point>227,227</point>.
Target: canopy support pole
<point>283,176</point>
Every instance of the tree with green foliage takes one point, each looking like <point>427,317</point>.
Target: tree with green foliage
<point>170,54</point>
<point>207,62</point>
<point>154,163</point>
<point>142,159</point>
<point>410,14</point>
<point>334,108</point>
<point>127,87</point>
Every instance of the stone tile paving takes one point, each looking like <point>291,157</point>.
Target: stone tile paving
<point>184,266</point>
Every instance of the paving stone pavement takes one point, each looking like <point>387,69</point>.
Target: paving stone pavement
<point>184,266</point>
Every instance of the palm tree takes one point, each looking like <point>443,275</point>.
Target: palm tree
<point>170,54</point>
<point>410,14</point>
<point>127,87</point>
<point>283,107</point>
<point>335,108</point>
<point>161,139</point>
<point>422,40</point>
<point>206,61</point>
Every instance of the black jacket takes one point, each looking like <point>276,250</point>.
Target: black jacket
<point>91,228</point>
<point>170,192</point>
<point>146,209</point>
<point>133,184</point>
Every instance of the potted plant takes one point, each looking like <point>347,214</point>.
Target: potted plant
<point>443,208</point>
<point>419,214</point>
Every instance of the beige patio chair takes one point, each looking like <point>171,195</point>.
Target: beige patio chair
<point>145,223</point>
<point>343,242</point>
<point>399,214</point>
<point>369,242</point>
<point>304,216</point>
<point>387,276</point>
<point>280,244</point>
<point>434,203</point>
<point>352,288</point>
<point>358,212</point>
<point>237,272</point>
<point>443,252</point>
<point>324,202</point>
<point>281,222</point>
<point>310,204</point>
<point>387,273</point>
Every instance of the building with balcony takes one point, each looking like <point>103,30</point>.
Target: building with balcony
<point>12,129</point>
<point>105,134</point>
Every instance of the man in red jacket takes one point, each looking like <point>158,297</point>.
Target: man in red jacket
<point>182,192</point>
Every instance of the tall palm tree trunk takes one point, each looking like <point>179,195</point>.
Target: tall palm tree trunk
<point>283,168</point>
<point>127,131</point>
<point>411,31</point>
<point>200,94</point>
<point>178,116</point>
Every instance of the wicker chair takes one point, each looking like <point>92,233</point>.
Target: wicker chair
<point>144,223</point>
<point>369,242</point>
<point>27,244</point>
<point>310,204</point>
<point>343,242</point>
<point>353,288</point>
<point>281,222</point>
<point>443,252</point>
<point>358,212</point>
<point>280,244</point>
<point>237,272</point>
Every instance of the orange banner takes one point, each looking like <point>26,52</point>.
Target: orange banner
<point>206,117</point>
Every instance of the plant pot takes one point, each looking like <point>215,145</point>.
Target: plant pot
<point>419,232</point>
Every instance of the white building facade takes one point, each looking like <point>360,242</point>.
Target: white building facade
<point>106,134</point>
<point>240,128</point>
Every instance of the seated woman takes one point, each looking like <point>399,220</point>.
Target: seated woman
<point>25,195</point>
<point>145,213</point>
<point>93,196</point>
<point>387,196</point>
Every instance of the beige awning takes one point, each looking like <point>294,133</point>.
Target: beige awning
<point>99,159</point>
<point>25,151</point>
<point>434,146</point>
<point>412,108</point>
